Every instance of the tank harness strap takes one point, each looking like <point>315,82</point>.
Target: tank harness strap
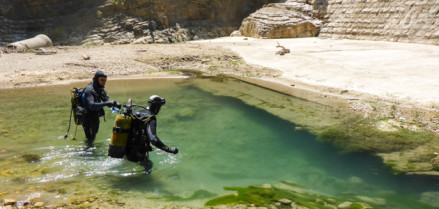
<point>148,118</point>
<point>119,130</point>
<point>132,116</point>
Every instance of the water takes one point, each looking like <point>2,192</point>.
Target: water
<point>222,142</point>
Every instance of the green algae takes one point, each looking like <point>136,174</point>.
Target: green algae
<point>290,195</point>
<point>286,194</point>
<point>359,135</point>
<point>199,194</point>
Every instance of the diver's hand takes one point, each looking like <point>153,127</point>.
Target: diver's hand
<point>110,103</point>
<point>113,104</point>
<point>173,150</point>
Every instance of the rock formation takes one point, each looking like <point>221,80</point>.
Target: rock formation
<point>385,20</point>
<point>105,21</point>
<point>168,21</point>
<point>292,19</point>
<point>62,20</point>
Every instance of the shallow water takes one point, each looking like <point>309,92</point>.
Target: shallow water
<point>222,142</point>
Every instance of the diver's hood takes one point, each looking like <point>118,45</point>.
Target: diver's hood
<point>98,74</point>
<point>155,103</point>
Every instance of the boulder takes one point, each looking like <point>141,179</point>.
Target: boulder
<point>282,20</point>
<point>236,33</point>
<point>9,201</point>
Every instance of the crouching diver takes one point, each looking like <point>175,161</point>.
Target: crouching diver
<point>95,98</point>
<point>145,134</point>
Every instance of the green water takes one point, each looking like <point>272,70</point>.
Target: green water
<point>222,142</point>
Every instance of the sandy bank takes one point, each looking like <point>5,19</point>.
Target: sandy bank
<point>393,71</point>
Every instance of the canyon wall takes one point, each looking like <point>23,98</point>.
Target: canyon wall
<point>415,21</point>
<point>169,21</point>
<point>73,21</point>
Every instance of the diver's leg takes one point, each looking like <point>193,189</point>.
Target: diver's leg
<point>147,164</point>
<point>94,128</point>
<point>91,128</point>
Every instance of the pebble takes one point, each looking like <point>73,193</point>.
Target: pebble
<point>267,186</point>
<point>345,205</point>
<point>9,201</point>
<point>39,204</point>
<point>285,201</point>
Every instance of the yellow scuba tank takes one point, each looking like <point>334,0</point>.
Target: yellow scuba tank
<point>121,132</point>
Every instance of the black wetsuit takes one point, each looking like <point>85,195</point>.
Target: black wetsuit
<point>95,99</point>
<point>145,134</point>
<point>151,132</point>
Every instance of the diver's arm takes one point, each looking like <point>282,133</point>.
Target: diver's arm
<point>151,130</point>
<point>90,102</point>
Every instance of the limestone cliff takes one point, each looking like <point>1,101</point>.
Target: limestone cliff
<point>168,21</point>
<point>386,20</point>
<point>60,19</point>
<point>98,21</point>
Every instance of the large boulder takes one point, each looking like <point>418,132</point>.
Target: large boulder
<point>292,19</point>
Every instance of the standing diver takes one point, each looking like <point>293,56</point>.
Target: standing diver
<point>95,98</point>
<point>145,133</point>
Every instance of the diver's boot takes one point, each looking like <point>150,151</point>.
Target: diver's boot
<point>147,164</point>
<point>89,142</point>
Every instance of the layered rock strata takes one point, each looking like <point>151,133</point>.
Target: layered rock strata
<point>104,21</point>
<point>60,19</point>
<point>386,20</point>
<point>292,19</point>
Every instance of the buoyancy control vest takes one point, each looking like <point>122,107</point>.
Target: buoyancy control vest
<point>129,135</point>
<point>78,105</point>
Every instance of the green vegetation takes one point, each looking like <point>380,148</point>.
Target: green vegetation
<point>199,194</point>
<point>359,135</point>
<point>287,194</point>
<point>118,2</point>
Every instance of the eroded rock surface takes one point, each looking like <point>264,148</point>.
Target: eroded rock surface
<point>292,19</point>
<point>121,21</point>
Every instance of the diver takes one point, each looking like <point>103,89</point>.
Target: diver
<point>145,134</point>
<point>95,98</point>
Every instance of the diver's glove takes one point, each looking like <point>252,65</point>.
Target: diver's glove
<point>172,150</point>
<point>113,104</point>
<point>110,103</point>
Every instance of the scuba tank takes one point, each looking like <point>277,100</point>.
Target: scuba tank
<point>121,132</point>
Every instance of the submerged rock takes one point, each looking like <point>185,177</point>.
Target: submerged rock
<point>344,205</point>
<point>285,201</point>
<point>431,198</point>
<point>186,113</point>
<point>376,201</point>
<point>31,158</point>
